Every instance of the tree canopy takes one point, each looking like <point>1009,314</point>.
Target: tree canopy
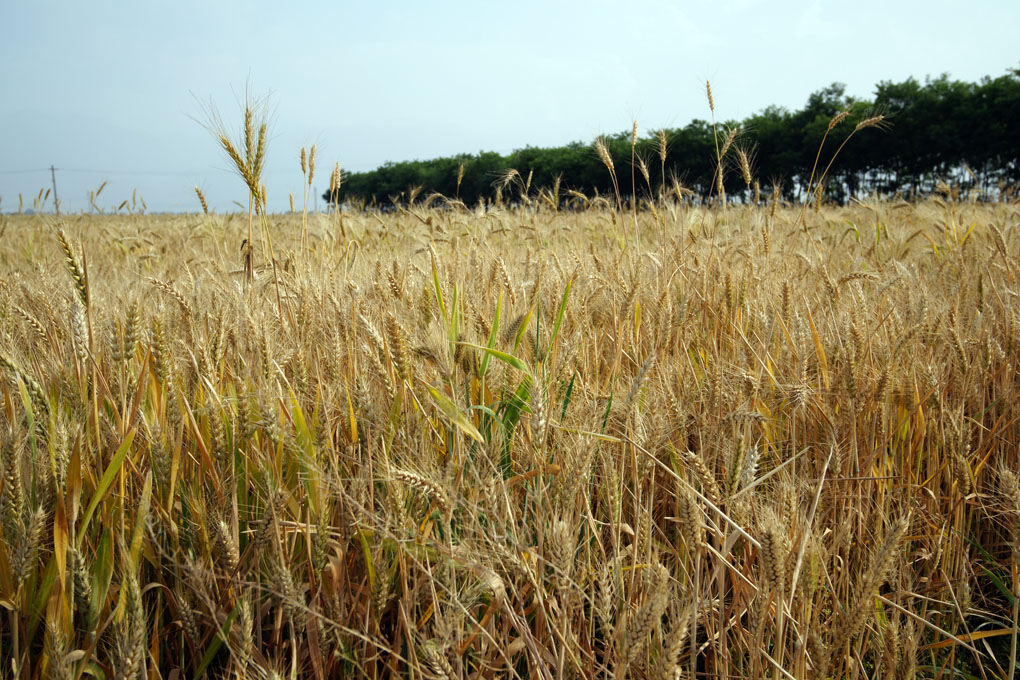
<point>938,130</point>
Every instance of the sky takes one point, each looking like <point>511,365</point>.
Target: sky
<point>115,91</point>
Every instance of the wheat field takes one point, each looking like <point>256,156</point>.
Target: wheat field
<point>516,442</point>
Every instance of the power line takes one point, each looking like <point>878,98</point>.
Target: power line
<point>130,172</point>
<point>268,171</point>
<point>100,172</point>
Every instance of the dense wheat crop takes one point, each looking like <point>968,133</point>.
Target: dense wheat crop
<point>512,443</point>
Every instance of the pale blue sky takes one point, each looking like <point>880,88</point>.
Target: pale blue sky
<point>111,90</point>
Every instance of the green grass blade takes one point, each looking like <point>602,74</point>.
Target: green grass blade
<point>505,357</point>
<point>566,397</point>
<point>458,417</point>
<point>523,329</point>
<point>101,578</point>
<point>215,645</point>
<point>104,483</point>
<point>559,317</point>
<point>493,334</point>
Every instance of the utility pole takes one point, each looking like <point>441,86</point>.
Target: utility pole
<point>53,176</point>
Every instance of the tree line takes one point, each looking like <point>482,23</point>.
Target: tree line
<point>938,132</point>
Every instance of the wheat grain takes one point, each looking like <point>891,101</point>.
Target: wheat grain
<point>201,200</point>
<point>648,615</point>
